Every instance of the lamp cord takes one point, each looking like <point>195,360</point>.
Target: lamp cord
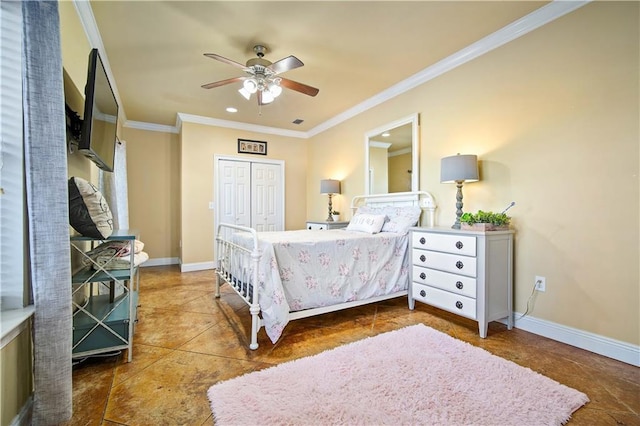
<point>528,300</point>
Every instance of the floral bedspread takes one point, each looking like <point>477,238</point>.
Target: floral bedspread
<point>309,269</point>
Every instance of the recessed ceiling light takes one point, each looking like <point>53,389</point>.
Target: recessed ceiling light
<point>232,109</point>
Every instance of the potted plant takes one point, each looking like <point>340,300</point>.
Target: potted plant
<point>485,221</point>
<point>336,215</point>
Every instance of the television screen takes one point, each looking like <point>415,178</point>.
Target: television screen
<point>98,140</point>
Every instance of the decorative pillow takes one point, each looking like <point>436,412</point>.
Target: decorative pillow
<point>399,218</point>
<point>89,213</point>
<point>364,222</point>
<point>402,219</point>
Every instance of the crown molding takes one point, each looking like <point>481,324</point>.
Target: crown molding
<point>377,144</point>
<point>88,21</point>
<point>190,118</point>
<point>141,125</point>
<point>516,29</point>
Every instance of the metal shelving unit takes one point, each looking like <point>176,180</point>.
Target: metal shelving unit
<point>104,322</point>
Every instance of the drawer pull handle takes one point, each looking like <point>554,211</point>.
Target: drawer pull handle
<point>309,227</point>
<point>423,275</point>
<point>423,257</point>
<point>459,304</point>
<point>459,265</point>
<point>423,293</point>
<point>459,245</point>
<point>422,240</point>
<point>459,285</point>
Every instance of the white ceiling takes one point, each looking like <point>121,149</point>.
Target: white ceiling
<point>352,51</point>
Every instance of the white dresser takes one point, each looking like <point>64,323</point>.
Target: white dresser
<point>469,273</point>
<point>322,225</point>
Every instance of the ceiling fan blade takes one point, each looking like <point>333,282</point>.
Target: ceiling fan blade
<point>285,64</point>
<point>222,82</point>
<point>225,60</point>
<point>298,87</point>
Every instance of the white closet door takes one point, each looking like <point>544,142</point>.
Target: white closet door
<point>234,187</point>
<point>266,197</point>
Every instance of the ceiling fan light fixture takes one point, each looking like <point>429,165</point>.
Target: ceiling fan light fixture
<point>263,76</point>
<point>275,89</point>
<point>250,85</point>
<point>267,97</point>
<point>245,93</point>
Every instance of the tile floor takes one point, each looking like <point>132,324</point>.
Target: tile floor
<point>186,340</point>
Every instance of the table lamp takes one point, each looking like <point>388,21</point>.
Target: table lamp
<point>330,186</point>
<point>459,169</point>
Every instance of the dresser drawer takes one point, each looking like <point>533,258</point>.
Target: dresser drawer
<point>451,302</point>
<point>459,284</point>
<point>445,262</point>
<point>459,244</point>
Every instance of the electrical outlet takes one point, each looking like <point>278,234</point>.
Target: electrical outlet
<point>541,283</point>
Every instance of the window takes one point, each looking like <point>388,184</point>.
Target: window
<point>12,201</point>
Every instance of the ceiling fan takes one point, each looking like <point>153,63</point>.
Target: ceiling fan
<point>263,76</point>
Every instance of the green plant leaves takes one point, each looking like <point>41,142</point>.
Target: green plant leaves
<point>497,219</point>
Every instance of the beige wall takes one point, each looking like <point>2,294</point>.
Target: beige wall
<point>399,177</point>
<point>16,369</point>
<point>553,117</point>
<point>199,144</point>
<point>379,163</point>
<point>153,175</point>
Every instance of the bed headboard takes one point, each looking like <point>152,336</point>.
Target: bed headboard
<point>422,199</point>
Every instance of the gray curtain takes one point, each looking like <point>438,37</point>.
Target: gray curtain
<point>113,187</point>
<point>47,211</point>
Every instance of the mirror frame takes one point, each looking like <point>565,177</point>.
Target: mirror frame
<point>414,119</point>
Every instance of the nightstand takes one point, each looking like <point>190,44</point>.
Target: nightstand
<point>469,273</point>
<point>322,225</point>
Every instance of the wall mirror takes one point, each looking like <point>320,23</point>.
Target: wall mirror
<point>391,157</point>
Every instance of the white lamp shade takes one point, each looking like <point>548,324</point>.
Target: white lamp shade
<point>275,89</point>
<point>459,168</point>
<point>329,186</point>
<point>244,93</point>
<point>267,97</point>
<point>250,85</point>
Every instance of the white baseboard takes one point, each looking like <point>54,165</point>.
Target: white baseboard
<point>200,266</point>
<point>601,345</point>
<point>162,261</point>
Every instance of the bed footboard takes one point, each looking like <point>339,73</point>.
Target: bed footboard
<point>237,258</point>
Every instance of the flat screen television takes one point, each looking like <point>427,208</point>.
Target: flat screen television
<point>98,138</point>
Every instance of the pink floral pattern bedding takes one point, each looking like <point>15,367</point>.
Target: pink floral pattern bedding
<point>309,269</point>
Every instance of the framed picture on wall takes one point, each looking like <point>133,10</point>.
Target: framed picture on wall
<point>247,146</point>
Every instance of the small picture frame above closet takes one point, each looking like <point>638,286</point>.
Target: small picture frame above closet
<point>247,146</point>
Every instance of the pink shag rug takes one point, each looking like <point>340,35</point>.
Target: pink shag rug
<point>415,375</point>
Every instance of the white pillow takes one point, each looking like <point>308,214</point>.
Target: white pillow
<point>402,219</point>
<point>89,213</point>
<point>365,222</point>
<point>399,218</point>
